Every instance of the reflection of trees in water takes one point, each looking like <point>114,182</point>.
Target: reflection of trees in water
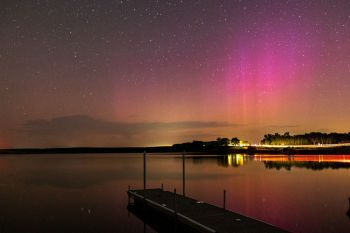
<point>230,160</point>
<point>305,164</point>
<point>205,159</point>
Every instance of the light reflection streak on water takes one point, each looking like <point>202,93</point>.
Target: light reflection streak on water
<point>304,158</point>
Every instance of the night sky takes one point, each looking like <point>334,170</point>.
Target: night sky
<point>144,73</point>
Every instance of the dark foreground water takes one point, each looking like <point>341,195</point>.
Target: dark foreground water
<point>87,193</point>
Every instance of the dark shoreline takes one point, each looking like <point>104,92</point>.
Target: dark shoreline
<point>168,149</point>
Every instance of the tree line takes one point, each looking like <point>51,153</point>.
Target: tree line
<point>202,145</point>
<point>313,138</point>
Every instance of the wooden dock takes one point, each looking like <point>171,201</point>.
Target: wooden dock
<point>193,215</point>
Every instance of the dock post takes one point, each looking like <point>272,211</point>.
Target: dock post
<point>348,213</point>
<point>183,174</point>
<point>128,199</point>
<point>162,187</point>
<point>175,212</point>
<point>224,199</point>
<point>175,201</point>
<point>144,170</point>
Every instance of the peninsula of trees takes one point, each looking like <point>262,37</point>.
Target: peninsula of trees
<point>289,144</point>
<point>313,138</point>
<point>209,145</point>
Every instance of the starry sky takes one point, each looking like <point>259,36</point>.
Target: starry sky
<point>145,73</point>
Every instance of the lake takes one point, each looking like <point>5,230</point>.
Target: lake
<point>87,192</point>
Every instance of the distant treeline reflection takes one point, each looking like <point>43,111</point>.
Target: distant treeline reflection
<point>230,160</point>
<point>237,160</point>
<point>305,164</point>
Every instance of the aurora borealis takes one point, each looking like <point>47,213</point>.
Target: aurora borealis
<point>143,73</point>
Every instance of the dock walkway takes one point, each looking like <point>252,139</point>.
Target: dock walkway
<point>199,216</point>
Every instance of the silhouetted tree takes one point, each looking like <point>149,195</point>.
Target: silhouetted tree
<point>223,141</point>
<point>235,141</point>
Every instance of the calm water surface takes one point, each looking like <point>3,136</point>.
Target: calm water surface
<point>87,193</point>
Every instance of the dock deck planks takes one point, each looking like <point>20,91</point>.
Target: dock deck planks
<point>201,217</point>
